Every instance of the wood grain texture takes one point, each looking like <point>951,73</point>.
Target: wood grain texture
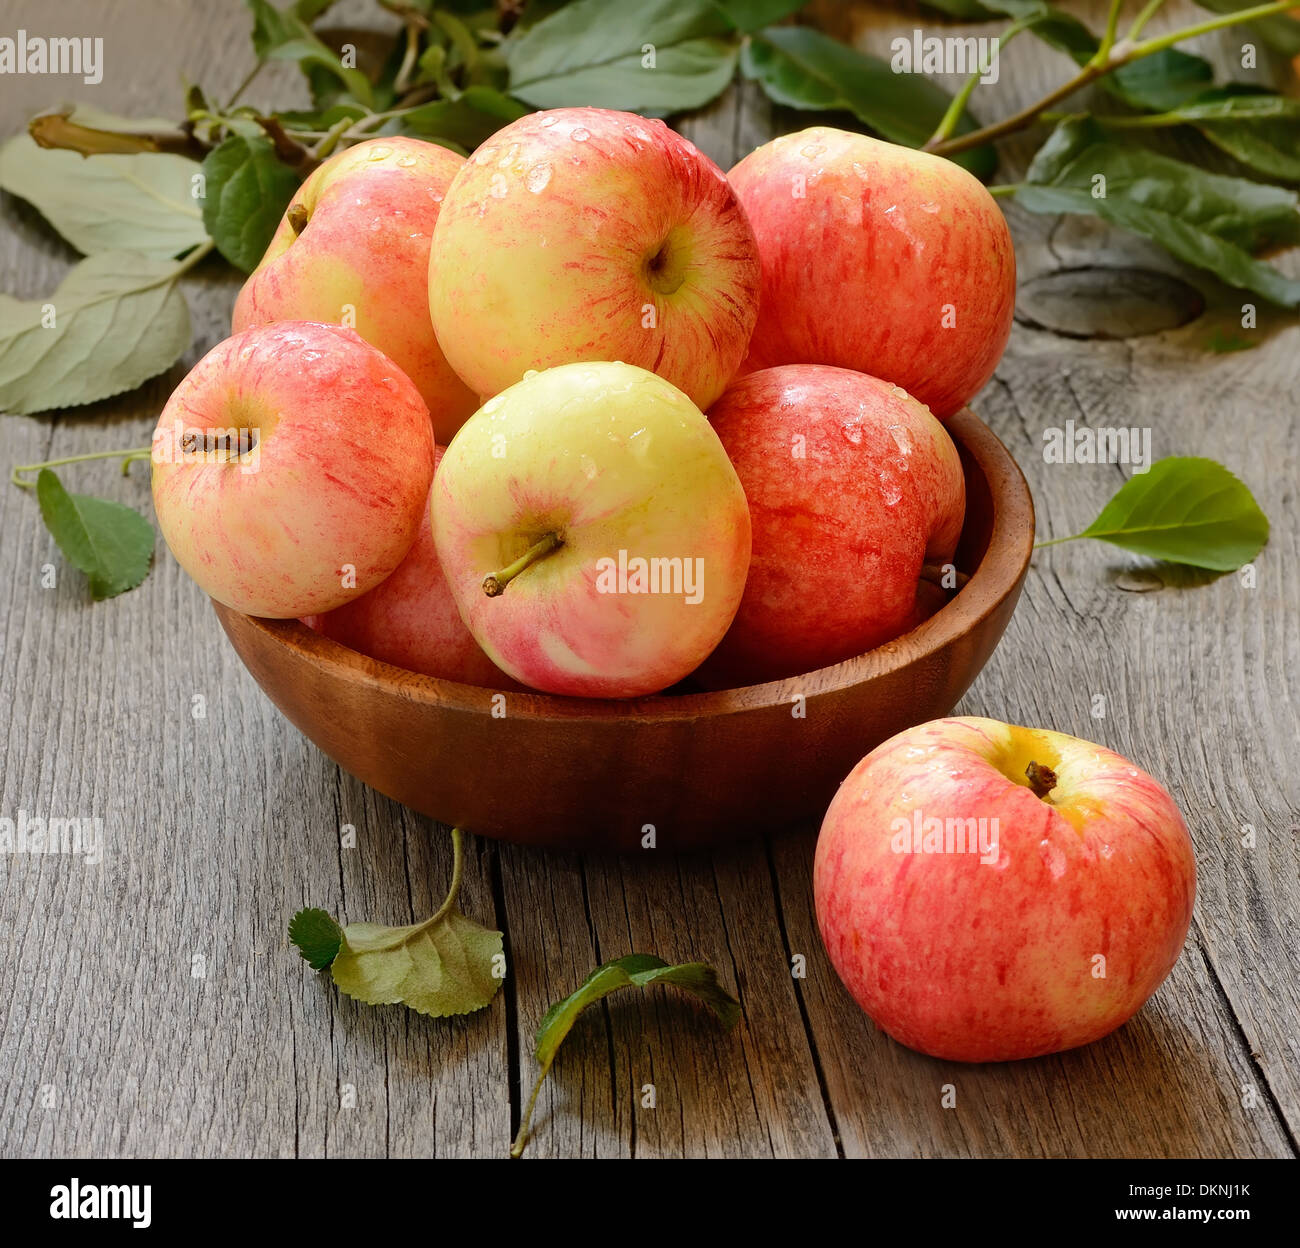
<point>219,827</point>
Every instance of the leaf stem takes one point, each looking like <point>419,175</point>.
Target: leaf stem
<point>948,123</point>
<point>128,457</point>
<point>1056,541</point>
<point>245,84</point>
<point>1139,23</point>
<point>1108,39</point>
<point>457,874</point>
<point>1119,55</point>
<point>517,1147</point>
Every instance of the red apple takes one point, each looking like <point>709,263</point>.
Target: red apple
<point>878,258</point>
<point>586,234</point>
<point>852,487</point>
<point>355,244</point>
<point>411,621</point>
<point>989,892</point>
<point>290,469</point>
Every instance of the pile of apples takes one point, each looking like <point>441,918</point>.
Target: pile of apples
<point>583,414</point>
<point>539,332</point>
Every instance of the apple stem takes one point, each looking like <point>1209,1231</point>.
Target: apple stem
<point>495,585</point>
<point>935,573</point>
<point>1042,779</point>
<point>297,218</point>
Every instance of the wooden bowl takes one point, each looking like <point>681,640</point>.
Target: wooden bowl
<point>701,768</point>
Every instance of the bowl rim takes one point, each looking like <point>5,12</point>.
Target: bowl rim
<point>1000,570</point>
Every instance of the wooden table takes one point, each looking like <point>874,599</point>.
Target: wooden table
<point>151,1005</point>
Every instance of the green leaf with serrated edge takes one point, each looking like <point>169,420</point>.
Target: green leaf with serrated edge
<point>248,189</point>
<point>635,970</point>
<point>588,53</point>
<point>115,320</point>
<point>751,15</point>
<point>467,121</point>
<point>143,203</point>
<point>802,68</point>
<point>317,936</point>
<point>439,967</point>
<point>1207,220</point>
<point>1184,510</point>
<point>110,543</point>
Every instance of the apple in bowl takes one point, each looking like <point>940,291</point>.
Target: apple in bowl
<point>989,892</point>
<point>853,488</point>
<point>353,248</point>
<point>589,234</point>
<point>592,530</point>
<point>290,469</point>
<point>878,258</point>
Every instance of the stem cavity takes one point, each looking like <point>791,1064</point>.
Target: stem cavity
<point>494,585</point>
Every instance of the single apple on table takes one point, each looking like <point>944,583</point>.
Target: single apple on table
<point>588,234</point>
<point>357,236</point>
<point>592,530</point>
<point>853,487</point>
<point>410,620</point>
<point>989,892</point>
<point>291,468</point>
<point>878,258</point>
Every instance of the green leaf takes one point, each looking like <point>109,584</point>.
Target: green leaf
<point>284,35</point>
<point>1207,220</point>
<point>467,121</point>
<point>115,320</point>
<point>142,202</point>
<point>751,15</point>
<point>590,54</point>
<point>445,965</point>
<point>248,189</point>
<point>317,936</point>
<point>110,543</point>
<point>1259,130</point>
<point>803,68</point>
<point>636,970</point>
<point>1184,510</point>
<point>1280,31</point>
<point>1161,81</point>
<point>439,967</point>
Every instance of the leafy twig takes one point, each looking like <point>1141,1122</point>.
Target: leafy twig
<point>1123,53</point>
<point>21,472</point>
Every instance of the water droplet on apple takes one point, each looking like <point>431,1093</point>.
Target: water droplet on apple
<point>484,154</point>
<point>492,404</point>
<point>902,438</point>
<point>378,153</point>
<point>406,161</point>
<point>531,373</point>
<point>812,150</point>
<point>1053,858</point>
<point>580,134</point>
<point>929,207</point>
<point>860,169</point>
<point>898,392</point>
<point>510,155</point>
<point>537,177</point>
<point>638,133</point>
<point>548,121</point>
<point>500,187</point>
